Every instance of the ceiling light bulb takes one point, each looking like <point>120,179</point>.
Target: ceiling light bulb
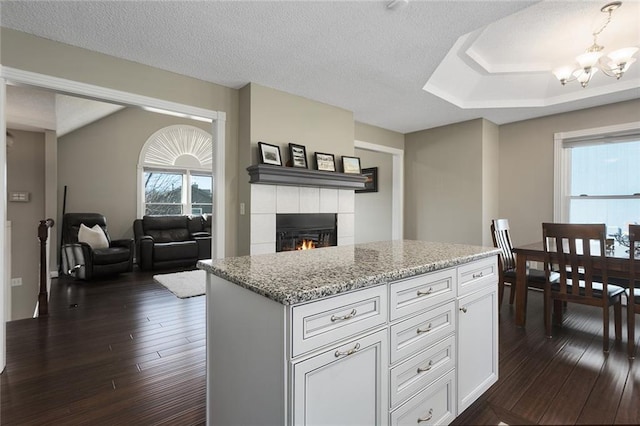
<point>588,59</point>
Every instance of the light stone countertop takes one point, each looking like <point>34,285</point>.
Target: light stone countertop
<point>301,276</point>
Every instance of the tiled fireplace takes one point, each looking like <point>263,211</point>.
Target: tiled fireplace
<point>269,200</point>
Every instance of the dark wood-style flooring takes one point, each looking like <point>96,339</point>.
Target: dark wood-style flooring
<point>131,353</point>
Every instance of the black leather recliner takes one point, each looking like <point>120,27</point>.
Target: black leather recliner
<point>81,261</point>
<point>171,241</point>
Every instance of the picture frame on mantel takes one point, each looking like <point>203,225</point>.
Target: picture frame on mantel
<point>351,165</point>
<point>298,155</point>
<point>269,154</point>
<point>371,184</point>
<point>325,162</point>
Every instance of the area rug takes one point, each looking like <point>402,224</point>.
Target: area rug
<point>184,284</point>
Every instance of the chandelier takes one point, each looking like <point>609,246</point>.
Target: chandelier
<point>615,64</point>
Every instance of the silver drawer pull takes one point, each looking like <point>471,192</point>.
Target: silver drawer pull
<point>464,310</point>
<point>427,368</point>
<point>478,275</point>
<point>426,419</point>
<point>424,330</point>
<point>344,317</point>
<point>351,351</point>
<point>425,293</point>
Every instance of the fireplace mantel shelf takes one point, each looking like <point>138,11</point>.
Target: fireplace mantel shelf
<point>277,175</point>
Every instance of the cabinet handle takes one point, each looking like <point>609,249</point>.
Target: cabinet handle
<point>478,275</point>
<point>344,317</point>
<point>351,351</point>
<point>425,293</point>
<point>426,419</point>
<point>427,368</point>
<point>425,330</point>
<point>464,310</point>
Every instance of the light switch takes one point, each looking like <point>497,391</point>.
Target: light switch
<point>19,196</point>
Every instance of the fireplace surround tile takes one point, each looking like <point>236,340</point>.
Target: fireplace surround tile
<point>309,200</point>
<point>346,225</point>
<point>328,200</point>
<point>263,199</point>
<point>346,201</point>
<point>287,199</point>
<point>263,248</point>
<point>263,228</point>
<point>346,241</point>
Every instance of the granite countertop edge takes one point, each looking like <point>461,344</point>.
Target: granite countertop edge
<point>289,296</point>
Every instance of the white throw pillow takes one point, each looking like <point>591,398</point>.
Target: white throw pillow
<point>95,236</point>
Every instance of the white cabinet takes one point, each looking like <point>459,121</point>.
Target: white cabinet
<point>345,385</point>
<point>477,344</point>
<point>413,351</point>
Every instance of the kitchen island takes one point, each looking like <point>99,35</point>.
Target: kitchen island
<point>397,332</point>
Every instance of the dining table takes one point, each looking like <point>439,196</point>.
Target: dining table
<point>617,266</point>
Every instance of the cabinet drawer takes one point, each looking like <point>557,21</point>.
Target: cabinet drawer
<point>417,372</point>
<point>433,406</point>
<point>475,275</point>
<point>326,321</point>
<point>417,333</point>
<point>415,294</point>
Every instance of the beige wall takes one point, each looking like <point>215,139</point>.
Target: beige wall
<point>443,183</point>
<point>526,163</point>
<point>378,136</point>
<point>278,118</point>
<point>98,164</point>
<point>373,209</point>
<point>72,63</point>
<point>490,178</point>
<point>26,172</point>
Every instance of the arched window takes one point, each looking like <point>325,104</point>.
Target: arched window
<point>174,172</point>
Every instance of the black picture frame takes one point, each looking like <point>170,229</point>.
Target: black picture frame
<point>371,184</point>
<point>351,165</point>
<point>325,162</point>
<point>298,155</point>
<point>269,154</point>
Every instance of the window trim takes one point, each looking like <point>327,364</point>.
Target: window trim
<point>561,165</point>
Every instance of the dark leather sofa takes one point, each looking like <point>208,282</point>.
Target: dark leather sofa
<point>171,241</point>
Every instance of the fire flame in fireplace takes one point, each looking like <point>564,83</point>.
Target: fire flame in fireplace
<point>306,245</point>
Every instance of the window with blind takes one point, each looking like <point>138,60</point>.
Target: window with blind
<point>598,178</point>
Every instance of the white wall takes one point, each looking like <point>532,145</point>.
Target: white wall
<point>373,209</point>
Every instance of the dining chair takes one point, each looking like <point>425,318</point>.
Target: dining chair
<point>633,292</point>
<point>577,252</point>
<point>500,232</point>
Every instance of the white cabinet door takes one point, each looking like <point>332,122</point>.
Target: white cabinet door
<point>347,385</point>
<point>477,345</point>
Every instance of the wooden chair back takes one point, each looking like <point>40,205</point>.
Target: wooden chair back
<point>633,308</point>
<point>570,249</point>
<point>634,243</point>
<point>502,240</point>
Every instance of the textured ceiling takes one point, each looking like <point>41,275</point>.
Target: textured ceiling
<point>355,55</point>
